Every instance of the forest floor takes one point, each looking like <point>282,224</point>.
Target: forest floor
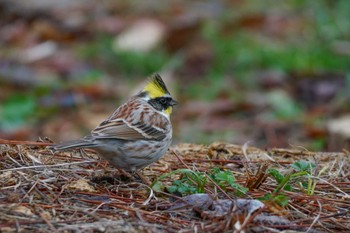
<point>193,188</point>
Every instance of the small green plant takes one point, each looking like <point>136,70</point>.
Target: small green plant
<point>191,182</point>
<point>309,168</point>
<point>285,182</point>
<point>303,166</point>
<point>182,186</point>
<point>280,178</point>
<point>279,199</point>
<point>226,179</point>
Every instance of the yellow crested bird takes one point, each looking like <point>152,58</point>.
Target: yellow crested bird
<point>137,134</point>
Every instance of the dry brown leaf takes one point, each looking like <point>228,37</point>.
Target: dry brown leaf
<point>80,185</point>
<point>22,210</point>
<point>7,178</point>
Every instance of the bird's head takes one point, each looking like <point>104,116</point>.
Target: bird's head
<point>157,95</point>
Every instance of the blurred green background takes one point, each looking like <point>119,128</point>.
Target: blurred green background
<point>273,73</point>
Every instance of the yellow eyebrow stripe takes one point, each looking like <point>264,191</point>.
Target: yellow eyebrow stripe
<point>153,90</point>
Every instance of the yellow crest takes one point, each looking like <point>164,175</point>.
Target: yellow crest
<point>156,87</point>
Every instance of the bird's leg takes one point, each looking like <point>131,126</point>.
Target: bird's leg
<point>125,174</point>
<point>143,178</point>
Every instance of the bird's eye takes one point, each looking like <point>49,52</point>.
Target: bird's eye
<point>162,101</point>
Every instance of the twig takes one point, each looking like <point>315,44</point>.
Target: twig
<point>46,166</point>
<point>52,228</point>
<point>338,189</point>
<point>317,217</point>
<point>249,219</point>
<point>30,190</point>
<point>15,142</point>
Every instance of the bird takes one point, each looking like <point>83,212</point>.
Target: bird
<point>138,133</point>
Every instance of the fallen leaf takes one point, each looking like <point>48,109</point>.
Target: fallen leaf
<point>80,185</point>
<point>6,175</point>
<point>46,215</point>
<point>7,179</point>
<point>22,210</point>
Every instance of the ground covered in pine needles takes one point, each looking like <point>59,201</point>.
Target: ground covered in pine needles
<point>193,188</point>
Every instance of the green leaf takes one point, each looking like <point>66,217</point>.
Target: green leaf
<point>157,186</point>
<point>279,178</point>
<point>276,174</point>
<point>239,189</point>
<point>226,178</point>
<point>172,189</point>
<point>281,200</point>
<point>303,166</point>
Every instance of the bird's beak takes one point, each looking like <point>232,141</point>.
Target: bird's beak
<point>173,102</point>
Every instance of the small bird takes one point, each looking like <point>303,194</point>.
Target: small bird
<point>137,134</point>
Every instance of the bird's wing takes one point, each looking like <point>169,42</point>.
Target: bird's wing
<point>128,124</point>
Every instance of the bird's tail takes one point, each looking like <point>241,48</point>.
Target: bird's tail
<point>72,145</point>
